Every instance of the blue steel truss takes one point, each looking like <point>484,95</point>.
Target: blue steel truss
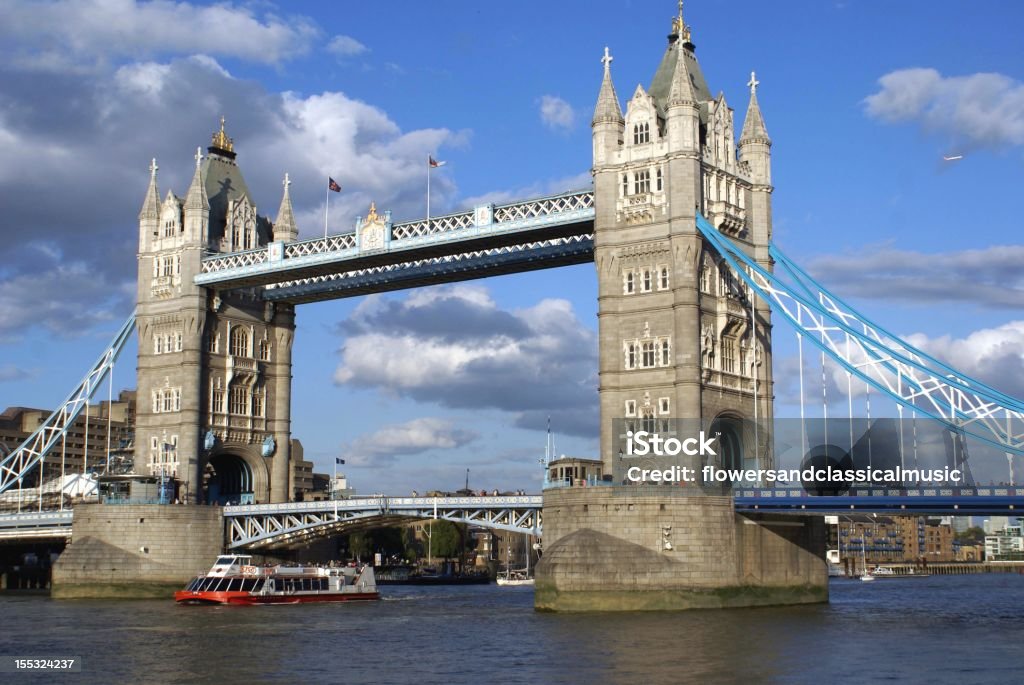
<point>22,460</point>
<point>908,375</point>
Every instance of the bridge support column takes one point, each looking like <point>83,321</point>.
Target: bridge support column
<point>620,549</point>
<point>136,551</point>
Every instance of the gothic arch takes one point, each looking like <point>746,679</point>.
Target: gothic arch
<point>232,473</point>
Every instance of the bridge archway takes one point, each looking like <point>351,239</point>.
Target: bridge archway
<point>231,478</point>
<point>729,430</point>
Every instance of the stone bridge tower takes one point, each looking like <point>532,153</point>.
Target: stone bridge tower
<point>677,342</point>
<point>214,368</point>
<point>675,324</point>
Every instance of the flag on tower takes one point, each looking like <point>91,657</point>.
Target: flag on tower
<point>333,185</point>
<point>434,163</point>
<point>339,460</point>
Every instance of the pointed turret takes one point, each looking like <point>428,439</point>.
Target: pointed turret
<point>196,197</point>
<point>284,226</point>
<point>151,205</point>
<point>681,106</point>
<point>753,126</point>
<point>755,145</point>
<point>608,123</point>
<point>197,204</point>
<point>608,109</point>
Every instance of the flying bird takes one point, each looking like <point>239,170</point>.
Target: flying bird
<point>952,158</point>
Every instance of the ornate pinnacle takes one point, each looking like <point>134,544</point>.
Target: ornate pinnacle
<point>221,140</point>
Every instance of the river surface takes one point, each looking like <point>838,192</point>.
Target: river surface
<point>954,630</point>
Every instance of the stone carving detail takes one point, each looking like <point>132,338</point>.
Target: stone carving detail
<point>371,232</point>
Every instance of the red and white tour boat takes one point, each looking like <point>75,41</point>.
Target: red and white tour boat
<point>235,580</point>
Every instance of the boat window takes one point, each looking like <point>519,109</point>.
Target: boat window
<point>208,583</point>
<point>224,561</point>
<point>194,584</point>
<point>222,585</point>
<point>248,584</point>
<point>307,584</point>
<point>236,584</point>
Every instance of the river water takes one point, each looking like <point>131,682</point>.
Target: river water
<point>954,630</point>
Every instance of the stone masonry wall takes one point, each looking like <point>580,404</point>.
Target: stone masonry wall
<point>137,550</point>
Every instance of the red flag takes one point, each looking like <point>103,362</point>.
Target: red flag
<point>333,185</point>
<point>434,163</point>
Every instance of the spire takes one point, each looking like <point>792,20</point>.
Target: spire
<point>284,226</point>
<point>196,197</point>
<point>151,205</point>
<point>753,126</point>
<point>607,109</point>
<point>681,90</point>
<point>680,31</point>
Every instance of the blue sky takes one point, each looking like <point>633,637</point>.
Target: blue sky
<point>862,100</point>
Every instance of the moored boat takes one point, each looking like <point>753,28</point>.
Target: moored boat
<point>233,579</point>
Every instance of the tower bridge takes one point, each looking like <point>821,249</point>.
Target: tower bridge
<point>679,227</point>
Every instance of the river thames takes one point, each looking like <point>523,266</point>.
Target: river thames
<point>940,630</point>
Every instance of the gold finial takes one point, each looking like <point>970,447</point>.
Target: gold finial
<point>679,26</point>
<point>372,216</point>
<point>221,140</point>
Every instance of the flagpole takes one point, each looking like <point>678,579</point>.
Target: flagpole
<point>327,207</point>
<point>428,193</point>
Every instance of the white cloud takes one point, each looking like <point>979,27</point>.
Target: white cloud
<point>99,30</point>
<point>992,355</point>
<point>984,109</point>
<point>384,445</point>
<point>346,46</point>
<point>556,113</point>
<point>454,346</point>
<point>74,151</point>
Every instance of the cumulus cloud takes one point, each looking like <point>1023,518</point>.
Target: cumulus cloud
<point>74,151</point>
<point>59,33</point>
<point>992,355</point>
<point>455,347</point>
<point>556,113</point>
<point>345,46</point>
<point>991,277</point>
<point>983,110</point>
<point>386,444</point>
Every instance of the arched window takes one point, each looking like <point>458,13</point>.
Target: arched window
<point>705,279</point>
<point>648,360</point>
<point>214,345</point>
<point>158,344</point>
<point>647,280</point>
<point>636,134</point>
<point>264,350</point>
<point>665,354</point>
<point>642,182</point>
<point>625,185</point>
<point>657,179</point>
<point>630,286</point>
<point>239,342</point>
<point>631,357</point>
<point>664,278</point>
<point>647,422</point>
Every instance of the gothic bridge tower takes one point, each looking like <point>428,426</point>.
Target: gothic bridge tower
<point>680,338</point>
<point>675,324</point>
<point>214,369</point>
